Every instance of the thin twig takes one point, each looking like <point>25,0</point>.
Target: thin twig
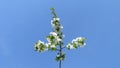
<point>63,47</point>
<point>60,55</point>
<point>60,64</point>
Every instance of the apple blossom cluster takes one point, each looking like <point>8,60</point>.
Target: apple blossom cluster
<point>53,41</point>
<point>58,57</point>
<point>40,46</point>
<point>55,37</point>
<point>76,43</point>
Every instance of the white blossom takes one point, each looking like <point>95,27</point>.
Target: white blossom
<point>40,46</point>
<point>39,43</point>
<point>83,45</point>
<point>58,39</point>
<point>54,38</point>
<point>54,19</point>
<point>48,39</point>
<point>47,45</point>
<point>55,25</point>
<point>70,46</point>
<point>58,55</point>
<point>53,33</point>
<point>74,40</point>
<point>52,23</point>
<point>53,46</point>
<point>79,38</point>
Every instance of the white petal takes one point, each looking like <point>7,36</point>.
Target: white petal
<point>47,44</point>
<point>53,46</point>
<point>74,40</point>
<point>40,42</point>
<point>53,33</point>
<point>70,46</point>
<point>83,45</point>
<point>54,19</point>
<point>79,38</point>
<point>48,39</point>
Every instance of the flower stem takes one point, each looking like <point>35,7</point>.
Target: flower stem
<point>60,64</point>
<point>60,56</point>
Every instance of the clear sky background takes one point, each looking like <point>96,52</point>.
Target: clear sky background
<point>23,22</point>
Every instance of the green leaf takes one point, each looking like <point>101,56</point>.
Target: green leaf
<point>53,49</point>
<point>63,56</point>
<point>52,8</point>
<point>35,48</point>
<point>75,45</point>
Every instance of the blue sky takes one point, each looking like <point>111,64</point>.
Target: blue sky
<point>23,22</point>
